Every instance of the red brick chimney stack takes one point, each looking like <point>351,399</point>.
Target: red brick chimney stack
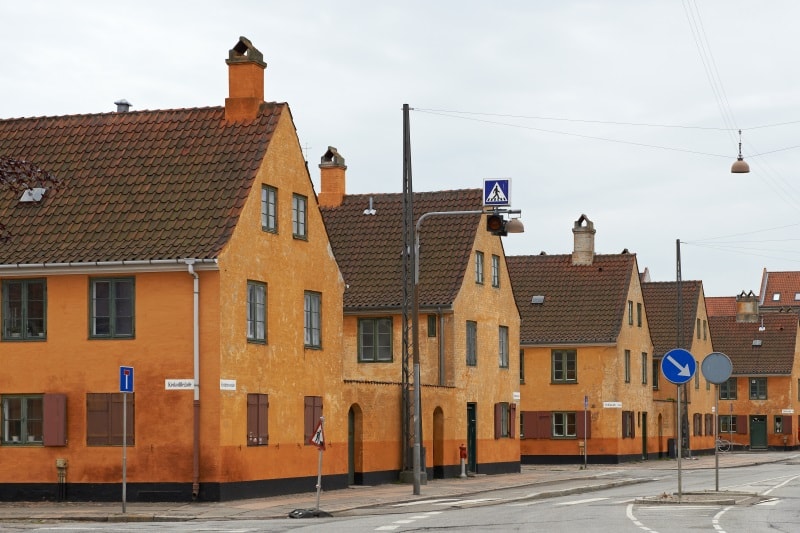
<point>332,179</point>
<point>245,81</point>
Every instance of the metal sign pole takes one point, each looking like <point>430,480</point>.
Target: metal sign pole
<point>124,448</point>
<point>679,444</point>
<point>716,438</point>
<point>585,436</point>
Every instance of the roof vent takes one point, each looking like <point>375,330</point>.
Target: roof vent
<point>370,210</point>
<point>123,106</point>
<point>756,342</point>
<point>33,195</point>
<point>538,299</point>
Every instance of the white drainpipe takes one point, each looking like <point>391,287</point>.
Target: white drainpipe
<point>196,403</point>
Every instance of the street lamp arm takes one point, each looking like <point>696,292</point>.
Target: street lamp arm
<point>448,213</point>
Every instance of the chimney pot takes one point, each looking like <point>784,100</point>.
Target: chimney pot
<point>123,106</point>
<point>332,178</point>
<point>583,232</point>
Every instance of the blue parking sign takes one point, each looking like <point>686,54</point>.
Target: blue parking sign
<point>126,379</point>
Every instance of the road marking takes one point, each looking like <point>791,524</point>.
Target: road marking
<point>632,518</point>
<point>715,520</point>
<point>468,502</point>
<point>423,502</point>
<point>386,528</point>
<point>771,501</point>
<point>578,502</point>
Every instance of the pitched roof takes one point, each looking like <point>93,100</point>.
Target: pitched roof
<point>582,303</point>
<point>661,306</point>
<point>144,185</point>
<point>773,355</point>
<point>721,305</point>
<point>368,248</point>
<point>785,286</point>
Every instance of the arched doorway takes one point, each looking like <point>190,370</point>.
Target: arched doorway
<point>355,455</point>
<point>438,443</point>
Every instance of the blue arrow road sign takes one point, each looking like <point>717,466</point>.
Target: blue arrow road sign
<point>497,192</point>
<point>126,379</point>
<point>678,366</point>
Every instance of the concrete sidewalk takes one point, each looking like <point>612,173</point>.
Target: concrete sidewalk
<point>359,497</point>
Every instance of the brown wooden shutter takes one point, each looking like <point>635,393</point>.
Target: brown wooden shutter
<point>312,414</point>
<point>787,425</point>
<point>115,423</point>
<point>544,424</point>
<point>528,419</point>
<point>252,419</point>
<point>97,416</point>
<point>263,419</point>
<point>512,419</point>
<point>55,420</point>
<point>498,413</point>
<point>579,418</point>
<point>741,424</point>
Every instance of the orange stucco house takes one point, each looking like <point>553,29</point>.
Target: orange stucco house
<point>759,404</point>
<point>468,331</point>
<point>587,355</point>
<point>697,395</point>
<point>188,245</point>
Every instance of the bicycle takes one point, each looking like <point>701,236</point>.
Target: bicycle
<point>723,445</point>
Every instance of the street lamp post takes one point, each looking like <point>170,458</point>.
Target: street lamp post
<point>417,451</point>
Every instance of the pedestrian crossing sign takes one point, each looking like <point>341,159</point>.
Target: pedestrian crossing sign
<point>496,192</point>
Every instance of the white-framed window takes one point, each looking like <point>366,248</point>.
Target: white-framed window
<point>472,343</point>
<point>503,346</point>
<point>644,368</point>
<point>299,204</point>
<point>478,267</point>
<point>564,424</point>
<point>313,319</point>
<point>495,270</point>
<point>269,208</point>
<point>256,311</point>
<point>627,366</point>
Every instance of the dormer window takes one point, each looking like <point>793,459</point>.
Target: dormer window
<point>776,297</point>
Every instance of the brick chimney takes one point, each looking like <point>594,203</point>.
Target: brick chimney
<point>245,81</point>
<point>583,232</point>
<point>332,178</point>
<point>747,307</point>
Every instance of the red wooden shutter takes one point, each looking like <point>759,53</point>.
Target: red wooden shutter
<point>579,418</point>
<point>741,424</point>
<point>263,419</point>
<point>787,425</point>
<point>55,420</point>
<point>528,419</point>
<point>512,419</point>
<point>498,413</point>
<point>544,427</point>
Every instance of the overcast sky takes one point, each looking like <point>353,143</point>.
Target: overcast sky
<point>625,111</point>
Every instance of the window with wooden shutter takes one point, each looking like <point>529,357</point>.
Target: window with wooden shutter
<point>787,425</point>
<point>104,413</point>
<point>55,420</point>
<point>257,419</point>
<point>312,411</point>
<point>741,424</point>
<point>580,417</point>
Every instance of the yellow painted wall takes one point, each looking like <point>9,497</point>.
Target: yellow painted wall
<point>283,368</point>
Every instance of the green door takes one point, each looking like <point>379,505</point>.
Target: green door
<point>758,432</point>
<point>472,437</point>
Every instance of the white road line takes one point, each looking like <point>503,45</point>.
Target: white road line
<point>386,528</point>
<point>715,520</point>
<point>771,501</point>
<point>632,518</point>
<point>423,502</point>
<point>467,502</point>
<point>578,502</point>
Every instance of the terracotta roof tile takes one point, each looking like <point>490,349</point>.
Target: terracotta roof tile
<point>142,185</point>
<point>775,354</point>
<point>721,306</point>
<point>661,304</point>
<point>369,248</point>
<point>582,304</point>
<point>785,286</point>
